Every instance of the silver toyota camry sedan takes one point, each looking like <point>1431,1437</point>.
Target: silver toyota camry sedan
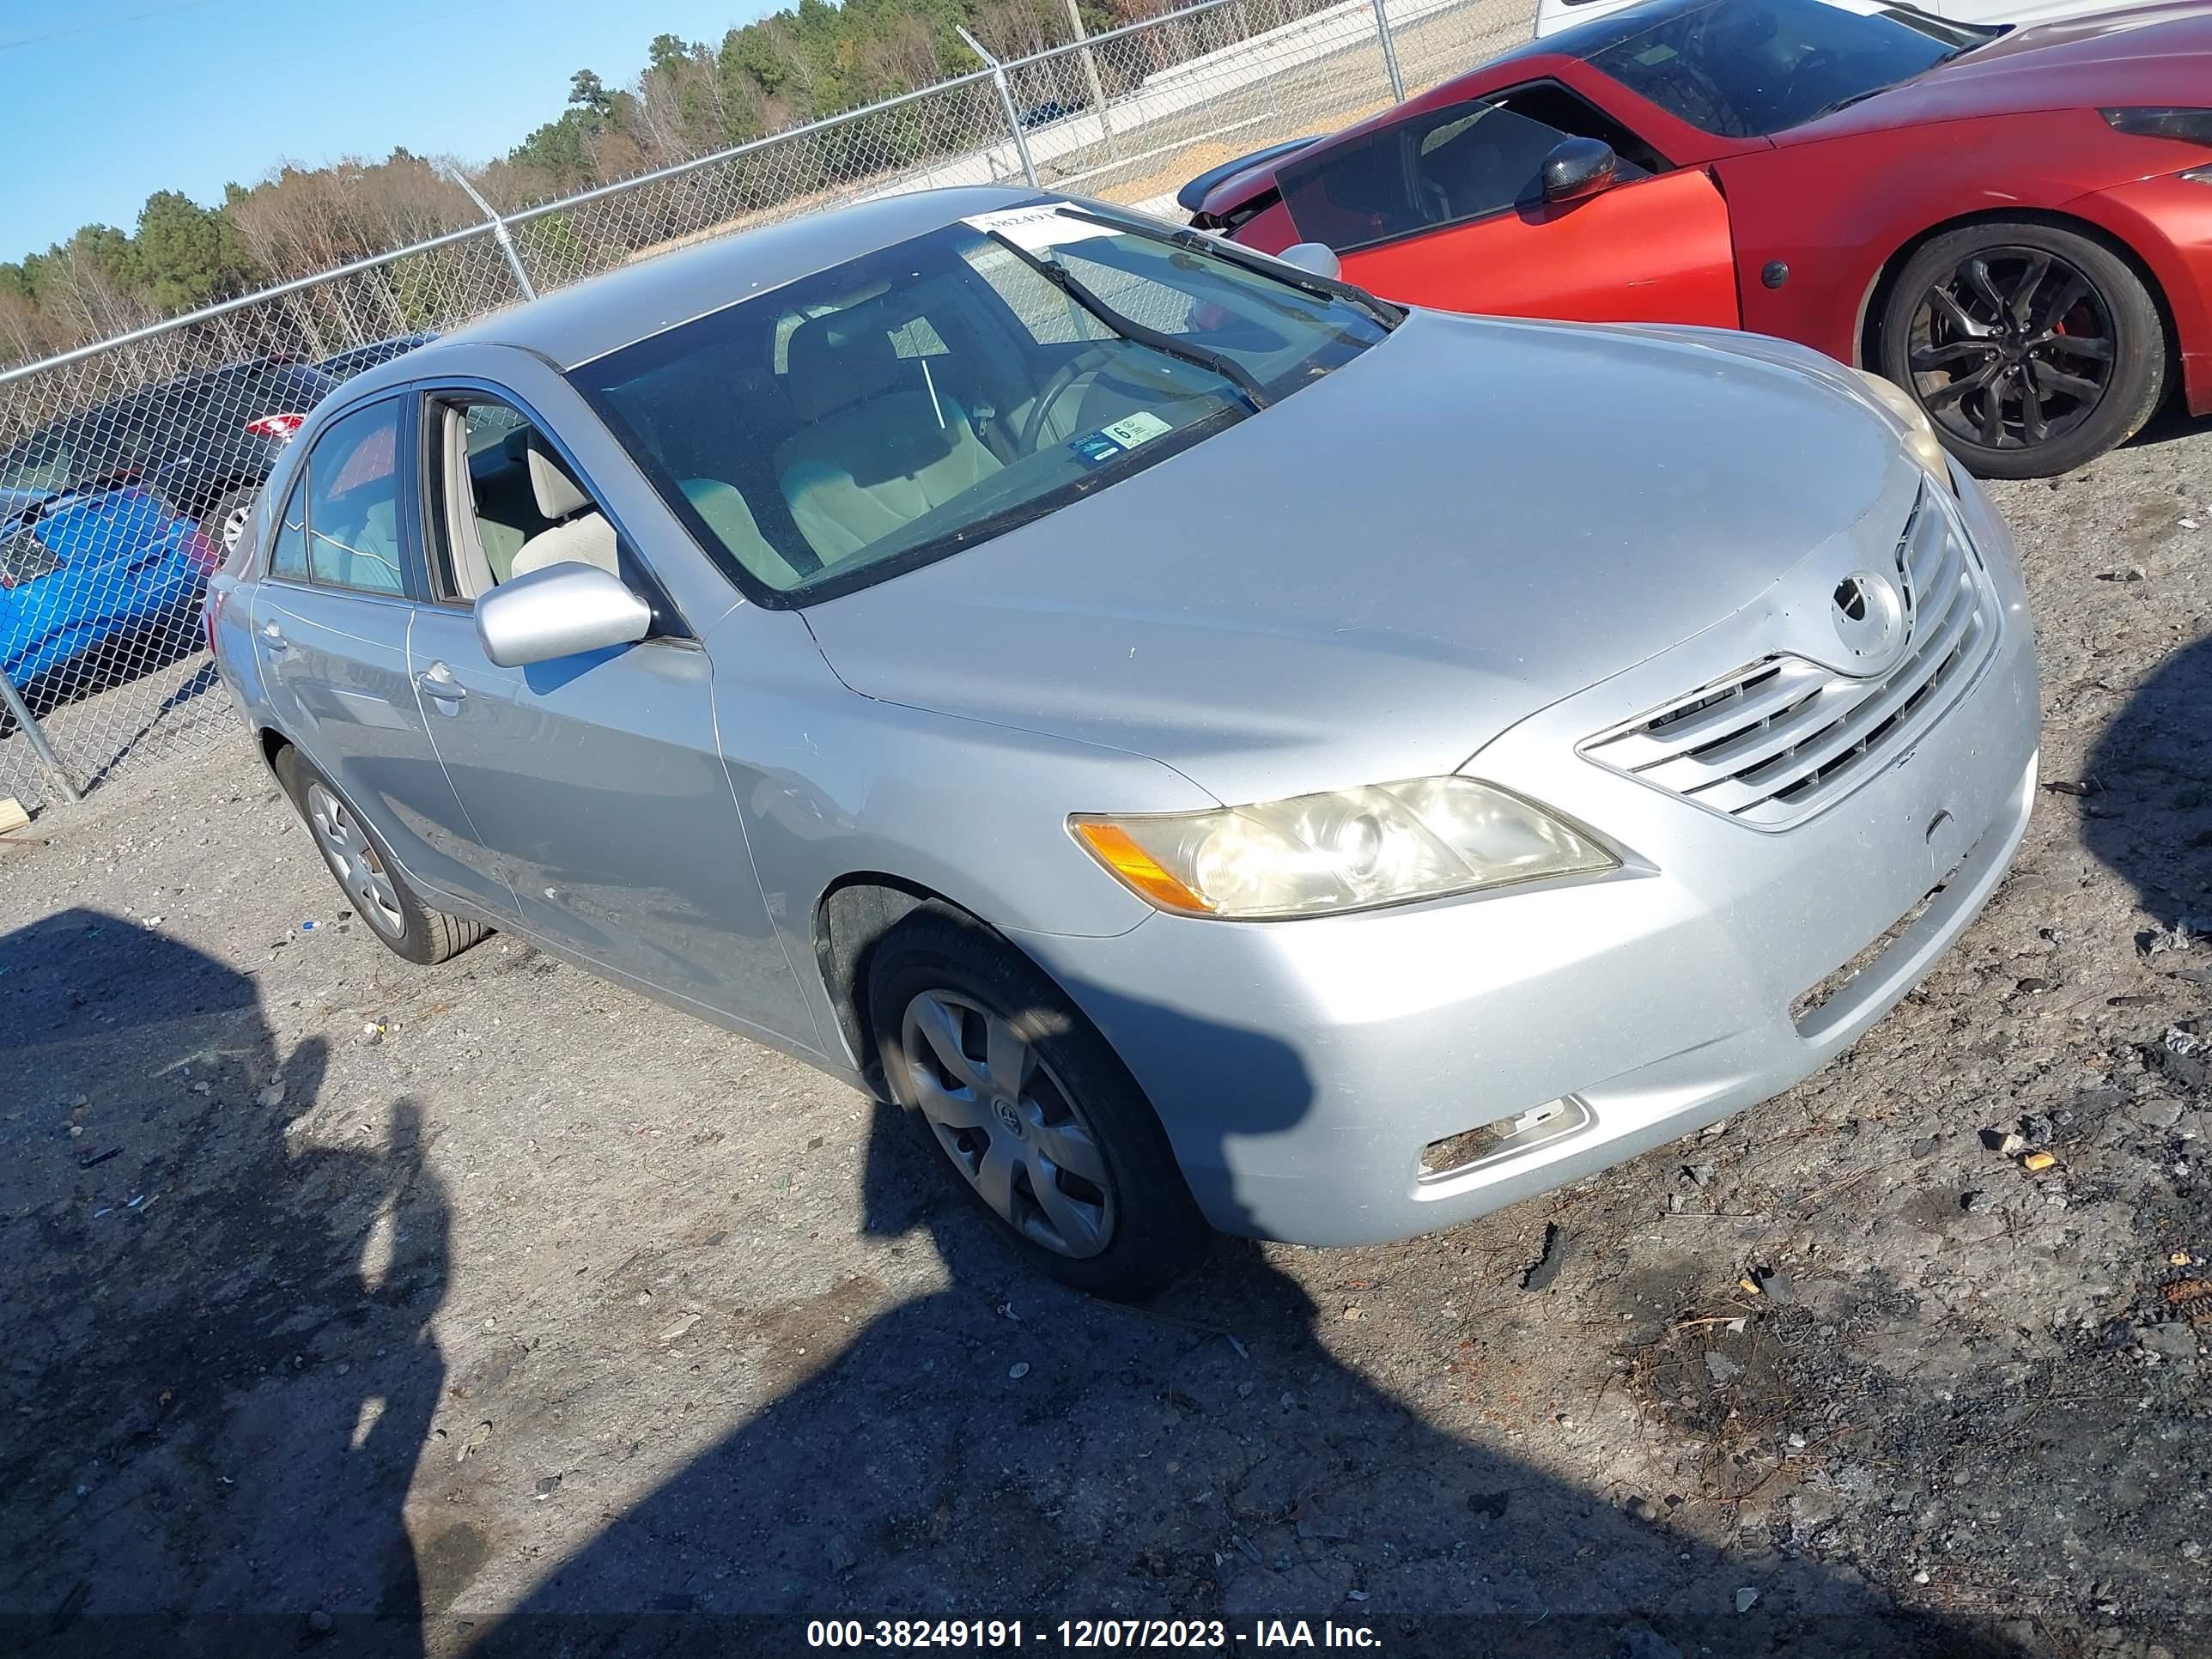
<point>1218,749</point>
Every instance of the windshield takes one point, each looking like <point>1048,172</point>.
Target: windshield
<point>928,396</point>
<point>1743,69</point>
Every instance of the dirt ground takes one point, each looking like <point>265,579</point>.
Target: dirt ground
<point>352,1307</point>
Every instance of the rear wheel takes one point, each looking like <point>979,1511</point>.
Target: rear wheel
<point>2033,349</point>
<point>365,873</point>
<point>226,521</point>
<point>1042,1123</point>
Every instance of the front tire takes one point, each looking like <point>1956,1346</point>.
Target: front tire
<point>1041,1124</point>
<point>366,873</point>
<point>2033,349</point>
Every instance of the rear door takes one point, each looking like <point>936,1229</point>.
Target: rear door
<point>1446,208</point>
<point>331,621</point>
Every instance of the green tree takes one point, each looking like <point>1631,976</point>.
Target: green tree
<point>188,255</point>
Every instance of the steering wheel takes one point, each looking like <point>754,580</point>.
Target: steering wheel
<point>1054,388</point>
<point>1821,57</point>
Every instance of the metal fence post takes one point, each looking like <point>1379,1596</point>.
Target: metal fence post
<point>1005,102</point>
<point>499,232</point>
<point>1389,51</point>
<point>13,700</point>
<point>1091,75</point>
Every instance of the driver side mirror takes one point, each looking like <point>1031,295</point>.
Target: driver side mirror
<point>1316,258</point>
<point>559,611</point>
<point>1577,169</point>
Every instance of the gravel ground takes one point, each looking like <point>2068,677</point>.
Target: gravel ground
<point>378,1309</point>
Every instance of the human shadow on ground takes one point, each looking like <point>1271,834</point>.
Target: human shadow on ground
<point>2148,815</point>
<point>1003,1448</point>
<point>219,1370</point>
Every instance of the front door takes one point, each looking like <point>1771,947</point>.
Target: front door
<point>594,783</point>
<point>1446,209</point>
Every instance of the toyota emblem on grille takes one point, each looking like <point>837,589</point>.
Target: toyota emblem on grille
<point>1871,618</point>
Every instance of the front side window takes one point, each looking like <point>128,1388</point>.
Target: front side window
<point>353,503</point>
<point>1743,69</point>
<point>928,396</point>
<point>507,504</point>
<point>1447,166</point>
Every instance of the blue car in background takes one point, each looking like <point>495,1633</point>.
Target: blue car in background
<point>89,573</point>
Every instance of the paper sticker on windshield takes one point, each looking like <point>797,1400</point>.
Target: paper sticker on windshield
<point>1136,430</point>
<point>1038,228</point>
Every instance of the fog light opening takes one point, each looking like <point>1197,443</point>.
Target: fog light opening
<point>1507,1136</point>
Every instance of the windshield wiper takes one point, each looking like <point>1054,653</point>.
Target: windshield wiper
<point>1130,329</point>
<point>1844,102</point>
<point>1275,270</point>
<point>1849,99</point>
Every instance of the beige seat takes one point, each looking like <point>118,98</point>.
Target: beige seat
<point>882,448</point>
<point>729,516</point>
<point>579,533</point>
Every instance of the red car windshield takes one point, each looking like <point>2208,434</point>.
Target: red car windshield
<point>1743,69</point>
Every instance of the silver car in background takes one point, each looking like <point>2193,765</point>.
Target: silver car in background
<point>1215,747</point>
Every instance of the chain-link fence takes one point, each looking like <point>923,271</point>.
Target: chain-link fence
<point>127,467</point>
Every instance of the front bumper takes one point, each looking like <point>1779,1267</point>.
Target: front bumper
<point>1300,1068</point>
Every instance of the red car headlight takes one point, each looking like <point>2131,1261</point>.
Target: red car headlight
<point>2191,127</point>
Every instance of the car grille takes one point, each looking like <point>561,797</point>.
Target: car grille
<point>1776,741</point>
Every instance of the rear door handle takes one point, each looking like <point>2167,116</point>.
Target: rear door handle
<point>273,637</point>
<point>437,681</point>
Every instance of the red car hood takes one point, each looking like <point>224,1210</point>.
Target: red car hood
<point>2142,55</point>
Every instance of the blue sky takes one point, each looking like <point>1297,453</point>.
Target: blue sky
<point>103,102</point>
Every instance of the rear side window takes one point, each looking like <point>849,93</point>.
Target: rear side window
<point>288,549</point>
<point>353,503</point>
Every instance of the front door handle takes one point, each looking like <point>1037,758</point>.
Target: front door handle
<point>437,681</point>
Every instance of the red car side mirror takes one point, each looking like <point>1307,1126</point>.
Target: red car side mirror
<point>1578,168</point>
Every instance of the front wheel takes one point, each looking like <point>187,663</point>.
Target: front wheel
<point>1041,1124</point>
<point>2033,349</point>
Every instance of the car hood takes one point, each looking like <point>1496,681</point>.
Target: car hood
<point>1375,576</point>
<point>2149,55</point>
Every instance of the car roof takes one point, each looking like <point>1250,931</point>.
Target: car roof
<point>595,317</point>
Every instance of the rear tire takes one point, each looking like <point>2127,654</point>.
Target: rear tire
<point>226,521</point>
<point>366,872</point>
<point>1041,1123</point>
<point>2033,349</point>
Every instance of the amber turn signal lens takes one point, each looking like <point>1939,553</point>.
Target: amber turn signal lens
<point>1113,846</point>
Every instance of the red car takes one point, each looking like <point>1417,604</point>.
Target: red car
<point>2013,224</point>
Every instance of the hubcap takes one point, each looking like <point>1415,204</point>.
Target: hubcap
<point>1008,1123</point>
<point>354,861</point>
<point>234,526</point>
<point>2013,348</point>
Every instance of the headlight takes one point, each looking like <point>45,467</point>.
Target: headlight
<point>2191,127</point>
<point>1313,855</point>
<point>1919,431</point>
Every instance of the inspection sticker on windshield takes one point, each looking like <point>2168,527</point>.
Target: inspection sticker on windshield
<point>1038,228</point>
<point>1136,429</point>
<point>1121,436</point>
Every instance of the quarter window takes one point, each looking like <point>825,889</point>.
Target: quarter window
<point>288,551</point>
<point>353,503</point>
